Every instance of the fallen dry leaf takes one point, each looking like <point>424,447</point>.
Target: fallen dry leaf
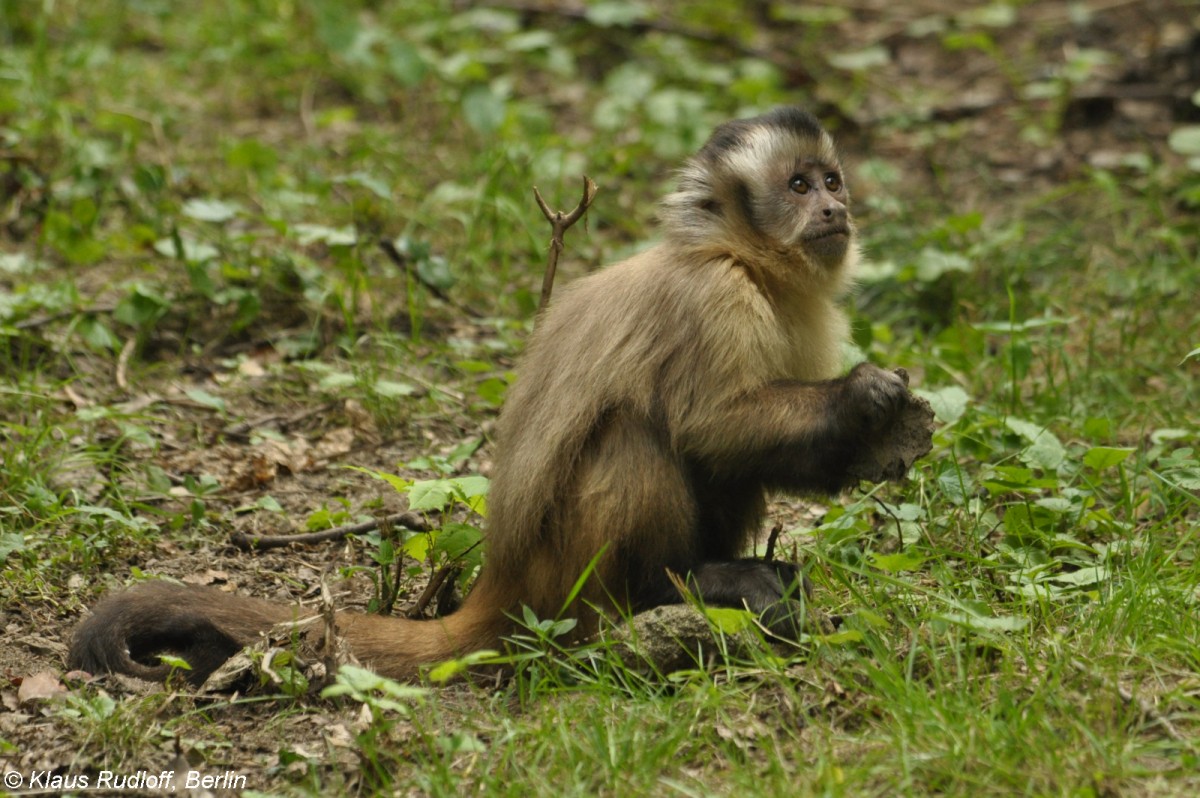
<point>41,686</point>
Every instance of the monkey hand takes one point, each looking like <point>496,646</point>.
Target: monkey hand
<point>871,398</point>
<point>890,428</point>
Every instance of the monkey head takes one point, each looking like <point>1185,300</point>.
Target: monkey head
<point>769,188</point>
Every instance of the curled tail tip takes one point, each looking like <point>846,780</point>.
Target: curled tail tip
<point>126,631</point>
<point>97,653</point>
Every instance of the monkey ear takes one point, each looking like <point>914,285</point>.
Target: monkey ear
<point>710,205</point>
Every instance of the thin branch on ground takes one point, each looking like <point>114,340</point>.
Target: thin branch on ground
<point>404,263</point>
<point>1148,710</point>
<point>41,321</point>
<point>243,429</point>
<point>262,542</point>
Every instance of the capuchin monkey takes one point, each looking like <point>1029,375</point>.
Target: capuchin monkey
<point>660,400</point>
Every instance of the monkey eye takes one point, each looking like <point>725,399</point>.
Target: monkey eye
<point>798,184</point>
<point>833,181</point>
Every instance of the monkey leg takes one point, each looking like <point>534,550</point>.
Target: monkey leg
<point>775,591</point>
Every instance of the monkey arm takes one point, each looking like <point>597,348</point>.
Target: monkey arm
<point>797,435</point>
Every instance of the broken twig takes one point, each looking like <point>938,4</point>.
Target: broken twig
<point>772,540</point>
<point>559,222</point>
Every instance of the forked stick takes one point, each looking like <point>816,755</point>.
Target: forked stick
<point>559,222</point>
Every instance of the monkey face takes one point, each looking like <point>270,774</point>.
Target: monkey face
<point>820,214</point>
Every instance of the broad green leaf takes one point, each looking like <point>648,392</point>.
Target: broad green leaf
<point>418,546</point>
<point>252,154</point>
<point>1099,458</point>
<point>483,109</point>
<point>435,270</point>
<point>870,618</point>
<point>10,542</point>
<point>615,13</point>
<point>367,181</point>
<point>205,398</point>
<point>985,623</point>
<point>1185,140</point>
<point>492,391</point>
<point>1019,521</point>
<point>436,494</point>
<point>460,541</point>
<point>933,263</point>
<point>337,380</point>
<point>186,249</point>
<point>894,563</point>
<point>269,503</point>
<point>96,334</point>
<point>1166,434</point>
<point>141,307</point>
<point>861,60</point>
<point>406,63</point>
<point>958,486</point>
<point>391,389</point>
<point>1055,504</point>
<point>810,14</point>
<point>448,670</point>
<point>330,236</point>
<point>464,450</point>
<point>1044,450</point>
<point>428,495</point>
<point>210,210</point>
<point>1084,577</point>
<point>336,28</point>
<point>729,620</point>
<point>948,403</point>
<point>359,682</point>
<point>19,263</point>
<point>994,15</point>
<point>530,41</point>
<point>474,366</point>
<point>471,486</point>
<point>906,511</point>
<point>841,638</point>
<point>1022,326</point>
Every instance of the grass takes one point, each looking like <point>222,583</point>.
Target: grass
<point>190,205</point>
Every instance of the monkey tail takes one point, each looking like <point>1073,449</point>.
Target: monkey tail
<point>204,627</point>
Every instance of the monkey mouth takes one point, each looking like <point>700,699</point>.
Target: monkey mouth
<point>833,231</point>
<point>829,246</point>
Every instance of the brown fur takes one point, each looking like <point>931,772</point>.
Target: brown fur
<point>657,403</point>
